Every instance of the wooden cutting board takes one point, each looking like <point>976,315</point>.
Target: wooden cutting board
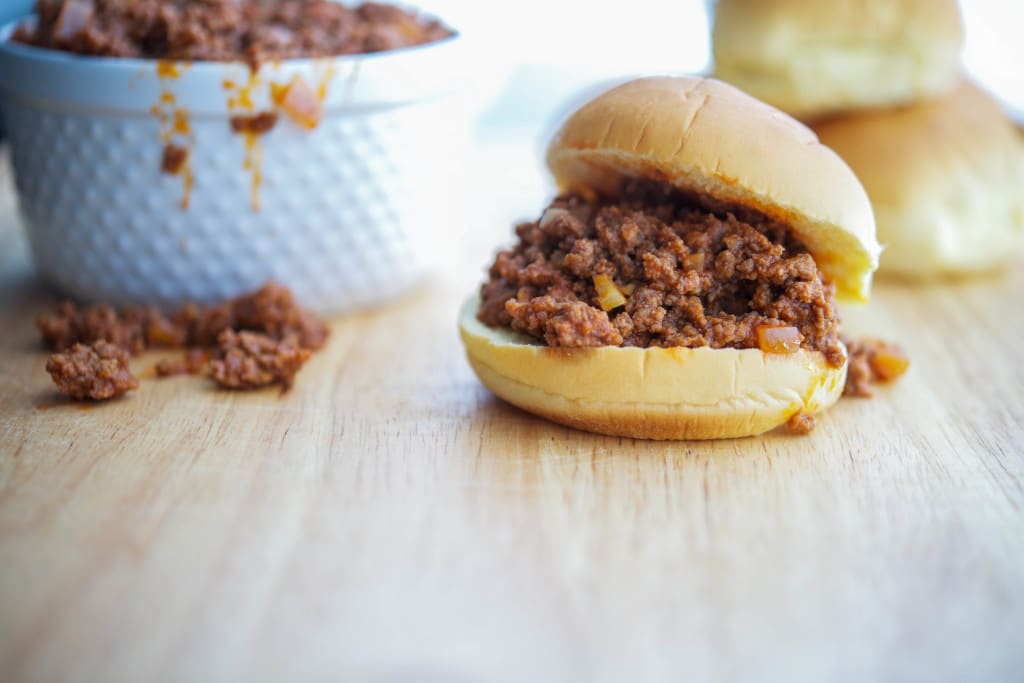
<point>389,520</point>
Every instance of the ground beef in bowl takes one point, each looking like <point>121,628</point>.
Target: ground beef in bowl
<point>254,31</point>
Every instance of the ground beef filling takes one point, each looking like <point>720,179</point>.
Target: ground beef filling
<point>255,31</point>
<point>654,269</point>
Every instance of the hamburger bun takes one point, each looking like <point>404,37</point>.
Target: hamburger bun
<point>945,176</point>
<point>709,138</point>
<point>809,57</point>
<point>723,147</point>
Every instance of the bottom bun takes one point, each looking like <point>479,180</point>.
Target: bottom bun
<point>653,393</point>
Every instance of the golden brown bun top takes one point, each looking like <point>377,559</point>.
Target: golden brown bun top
<point>710,138</point>
<point>907,150</point>
<point>741,25</point>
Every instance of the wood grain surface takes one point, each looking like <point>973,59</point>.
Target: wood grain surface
<point>388,520</point>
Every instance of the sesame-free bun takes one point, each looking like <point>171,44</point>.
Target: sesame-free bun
<point>726,150</point>
<point>718,143</point>
<point>946,177</point>
<point>808,57</point>
<point>652,393</point>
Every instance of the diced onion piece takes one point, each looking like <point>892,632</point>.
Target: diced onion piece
<point>162,332</point>
<point>609,296</point>
<point>74,16</point>
<point>299,102</point>
<point>694,261</point>
<point>775,339</point>
<point>277,34</point>
<point>550,215</point>
<point>888,362</point>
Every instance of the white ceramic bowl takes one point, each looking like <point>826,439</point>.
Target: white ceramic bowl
<point>344,215</point>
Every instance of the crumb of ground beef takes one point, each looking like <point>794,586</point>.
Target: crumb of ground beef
<point>689,275</point>
<point>271,312</point>
<point>133,329</point>
<point>801,423</point>
<point>192,363</point>
<point>257,124</point>
<point>254,31</point>
<point>248,360</point>
<point>203,324</point>
<point>98,371</point>
<point>159,331</point>
<point>174,159</point>
<point>858,373</point>
<point>872,361</point>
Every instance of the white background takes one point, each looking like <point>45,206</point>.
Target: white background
<point>545,51</point>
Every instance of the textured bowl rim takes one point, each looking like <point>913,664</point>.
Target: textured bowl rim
<point>118,84</point>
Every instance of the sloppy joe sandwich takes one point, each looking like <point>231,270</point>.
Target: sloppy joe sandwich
<point>808,57</point>
<point>683,284</point>
<point>945,176</point>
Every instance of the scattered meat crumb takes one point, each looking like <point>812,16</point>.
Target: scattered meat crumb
<point>70,325</point>
<point>98,371</point>
<point>193,363</point>
<point>872,361</point>
<point>801,423</point>
<point>271,310</point>
<point>249,360</point>
<point>271,337</point>
<point>174,159</point>
<point>161,332</point>
<point>257,124</point>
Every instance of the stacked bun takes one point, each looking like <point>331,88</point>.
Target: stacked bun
<point>814,57</point>
<point>881,82</point>
<point>945,177</point>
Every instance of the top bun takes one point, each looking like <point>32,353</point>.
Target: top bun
<point>708,138</point>
<point>809,57</point>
